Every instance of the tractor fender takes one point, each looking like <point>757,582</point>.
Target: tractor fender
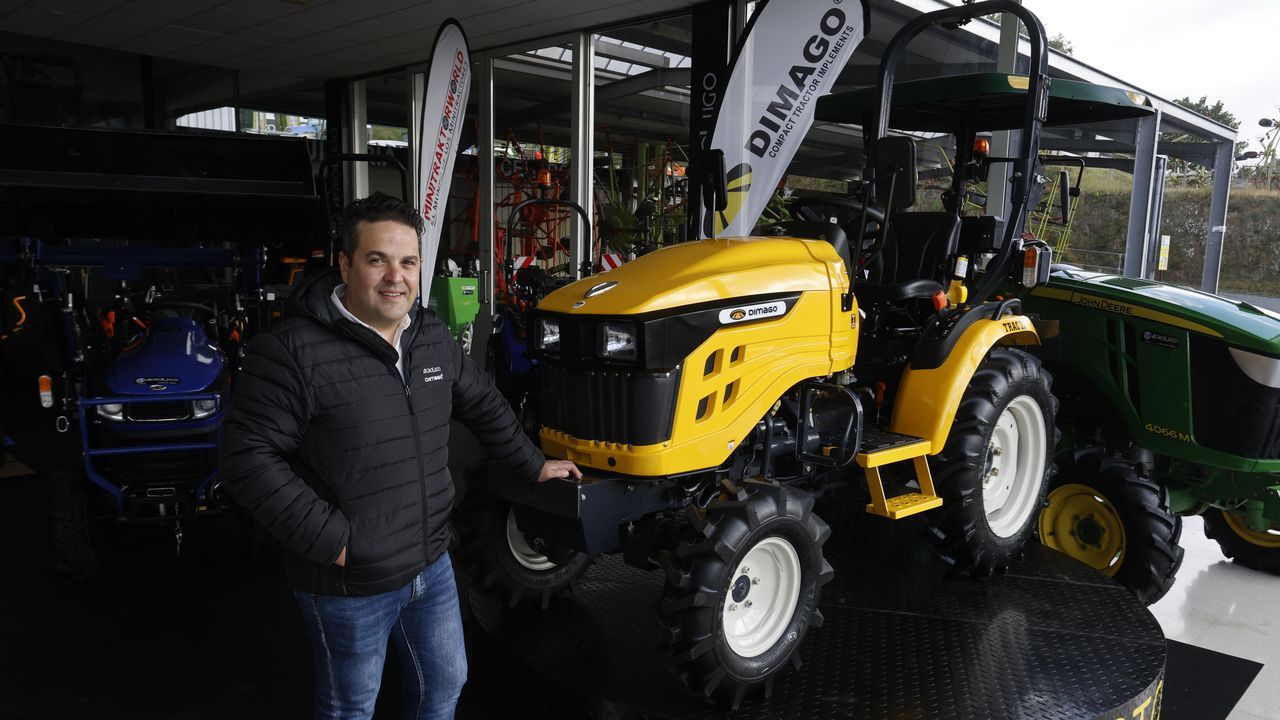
<point>928,397</point>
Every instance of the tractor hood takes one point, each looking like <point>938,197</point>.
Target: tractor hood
<point>1238,323</point>
<point>705,271</point>
<point>176,356</point>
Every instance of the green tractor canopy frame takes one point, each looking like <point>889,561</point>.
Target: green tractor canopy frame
<point>1171,397</point>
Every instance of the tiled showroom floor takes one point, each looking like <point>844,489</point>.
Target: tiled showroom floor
<point>1221,606</point>
<point>212,636</point>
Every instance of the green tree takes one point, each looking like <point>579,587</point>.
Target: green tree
<point>1214,112</point>
<point>1060,43</point>
<point>1182,172</point>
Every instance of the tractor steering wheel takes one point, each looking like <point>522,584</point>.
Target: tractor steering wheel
<point>850,212</point>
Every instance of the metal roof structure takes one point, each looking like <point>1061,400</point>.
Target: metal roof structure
<point>279,54</point>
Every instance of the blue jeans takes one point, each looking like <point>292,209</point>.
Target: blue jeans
<point>349,643</point>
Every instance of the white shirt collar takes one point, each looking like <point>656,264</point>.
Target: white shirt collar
<point>341,290</point>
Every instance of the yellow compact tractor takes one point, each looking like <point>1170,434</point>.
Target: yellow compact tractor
<point>712,390</point>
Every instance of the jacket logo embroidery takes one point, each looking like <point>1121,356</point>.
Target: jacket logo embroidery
<point>428,377</point>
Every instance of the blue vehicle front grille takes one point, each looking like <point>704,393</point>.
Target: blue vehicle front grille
<point>158,411</point>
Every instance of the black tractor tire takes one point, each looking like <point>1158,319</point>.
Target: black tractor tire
<point>970,535</point>
<point>495,365</point>
<point>1119,523</point>
<point>75,532</point>
<point>503,562</point>
<point>1259,553</point>
<point>707,579</point>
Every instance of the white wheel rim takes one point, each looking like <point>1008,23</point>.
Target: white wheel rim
<point>1017,452</point>
<point>521,550</point>
<point>761,597</point>
<point>467,333</point>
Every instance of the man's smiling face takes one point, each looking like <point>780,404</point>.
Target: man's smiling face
<point>382,275</point>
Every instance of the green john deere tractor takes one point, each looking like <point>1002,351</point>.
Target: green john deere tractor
<point>1170,406</point>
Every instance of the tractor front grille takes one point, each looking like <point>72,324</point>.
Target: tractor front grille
<point>169,469</point>
<point>1230,412</point>
<point>157,411</point>
<point>610,405</point>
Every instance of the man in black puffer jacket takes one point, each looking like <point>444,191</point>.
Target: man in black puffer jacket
<point>337,443</point>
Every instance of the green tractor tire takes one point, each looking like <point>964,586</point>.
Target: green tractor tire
<point>1251,548</point>
<point>993,471</point>
<point>1108,515</point>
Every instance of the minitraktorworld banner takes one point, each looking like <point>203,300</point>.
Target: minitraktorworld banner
<point>444,106</point>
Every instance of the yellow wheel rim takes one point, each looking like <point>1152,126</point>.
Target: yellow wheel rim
<point>1267,538</point>
<point>1081,523</point>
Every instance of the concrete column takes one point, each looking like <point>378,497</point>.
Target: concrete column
<point>1222,160</point>
<point>1137,245</point>
<point>582,117</point>
<point>355,139</point>
<point>485,187</point>
<point>1157,212</point>
<point>416,87</point>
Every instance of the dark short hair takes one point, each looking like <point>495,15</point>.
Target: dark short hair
<point>375,208</point>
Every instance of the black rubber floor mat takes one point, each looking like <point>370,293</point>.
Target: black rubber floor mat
<point>1201,684</point>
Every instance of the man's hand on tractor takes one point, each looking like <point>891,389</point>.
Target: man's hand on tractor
<point>559,469</point>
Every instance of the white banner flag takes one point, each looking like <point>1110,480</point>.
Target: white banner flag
<point>444,105</point>
<point>791,55</point>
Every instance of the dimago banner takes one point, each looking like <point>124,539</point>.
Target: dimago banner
<point>444,105</point>
<point>789,56</point>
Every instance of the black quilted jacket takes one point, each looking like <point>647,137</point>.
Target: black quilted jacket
<point>329,447</point>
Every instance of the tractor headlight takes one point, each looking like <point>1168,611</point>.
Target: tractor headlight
<point>111,411</point>
<point>548,335</point>
<point>1262,369</point>
<point>617,342</point>
<point>203,408</point>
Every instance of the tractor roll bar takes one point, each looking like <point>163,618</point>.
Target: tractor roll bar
<point>1036,108</point>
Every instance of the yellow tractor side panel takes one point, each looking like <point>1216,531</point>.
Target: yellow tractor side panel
<point>703,271</point>
<point>844,324</point>
<point>721,399</point>
<point>928,399</point>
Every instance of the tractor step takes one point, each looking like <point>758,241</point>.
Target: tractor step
<point>880,448</point>
<point>906,504</point>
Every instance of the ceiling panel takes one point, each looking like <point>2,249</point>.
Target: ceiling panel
<point>314,38</point>
<point>263,8</point>
<point>86,34</point>
<point>158,46</point>
<point>135,21</point>
<point>266,33</point>
<point>180,7</point>
<point>109,27</point>
<point>44,15</point>
<point>221,20</point>
<point>414,19</point>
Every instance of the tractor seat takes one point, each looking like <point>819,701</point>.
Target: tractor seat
<point>914,258</point>
<point>871,293</point>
